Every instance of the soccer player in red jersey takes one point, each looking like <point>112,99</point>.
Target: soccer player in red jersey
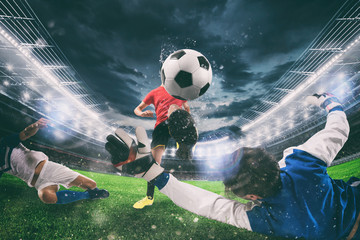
<point>163,102</point>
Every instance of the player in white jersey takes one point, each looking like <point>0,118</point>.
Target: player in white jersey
<point>37,171</point>
<point>294,198</point>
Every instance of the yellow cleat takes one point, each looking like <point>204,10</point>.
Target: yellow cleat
<point>146,201</point>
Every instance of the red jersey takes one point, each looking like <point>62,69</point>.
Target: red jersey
<point>162,100</point>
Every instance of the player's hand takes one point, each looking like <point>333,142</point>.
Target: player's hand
<point>147,113</point>
<point>32,129</point>
<point>42,123</point>
<point>131,157</point>
<point>326,101</point>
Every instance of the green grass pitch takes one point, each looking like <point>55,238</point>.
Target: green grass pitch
<point>24,216</point>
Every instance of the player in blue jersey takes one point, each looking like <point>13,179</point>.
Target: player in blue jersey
<point>34,168</point>
<point>293,198</point>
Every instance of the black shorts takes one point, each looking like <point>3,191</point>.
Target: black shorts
<point>161,135</point>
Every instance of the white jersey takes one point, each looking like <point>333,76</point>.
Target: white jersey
<point>24,161</point>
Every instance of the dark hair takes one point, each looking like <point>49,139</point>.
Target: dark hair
<point>258,174</point>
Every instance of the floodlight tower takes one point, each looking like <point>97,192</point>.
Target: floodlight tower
<point>35,72</point>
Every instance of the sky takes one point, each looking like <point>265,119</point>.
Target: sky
<point>117,47</point>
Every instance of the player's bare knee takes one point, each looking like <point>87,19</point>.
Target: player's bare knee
<point>48,197</point>
<point>91,184</point>
<point>172,108</point>
<point>83,182</point>
<point>88,183</point>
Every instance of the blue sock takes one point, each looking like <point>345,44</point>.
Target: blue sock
<point>67,196</point>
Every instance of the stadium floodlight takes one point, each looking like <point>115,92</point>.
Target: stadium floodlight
<point>307,83</point>
<point>89,132</point>
<point>211,166</point>
<point>61,118</point>
<point>341,75</point>
<point>64,108</point>
<point>59,134</point>
<point>213,141</point>
<point>173,152</point>
<point>26,96</point>
<point>306,115</point>
<point>78,116</point>
<point>291,114</point>
<point>48,95</point>
<point>9,67</point>
<point>76,124</point>
<point>48,108</point>
<point>6,83</point>
<point>200,152</point>
<point>49,77</point>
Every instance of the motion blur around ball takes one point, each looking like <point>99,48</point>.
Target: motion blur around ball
<point>186,74</point>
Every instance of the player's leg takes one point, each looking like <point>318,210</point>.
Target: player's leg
<point>83,182</point>
<point>90,186</point>
<point>158,152</point>
<point>160,140</point>
<point>48,194</point>
<point>53,174</point>
<point>182,128</point>
<point>157,155</point>
<point>172,108</point>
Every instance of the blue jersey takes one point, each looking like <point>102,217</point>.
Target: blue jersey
<point>310,204</point>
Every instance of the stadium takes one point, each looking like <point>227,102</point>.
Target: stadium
<point>37,80</point>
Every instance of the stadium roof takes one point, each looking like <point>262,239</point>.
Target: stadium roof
<point>35,72</point>
<point>325,56</point>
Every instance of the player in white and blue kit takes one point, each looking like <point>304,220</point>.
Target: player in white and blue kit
<point>293,198</point>
<point>34,168</point>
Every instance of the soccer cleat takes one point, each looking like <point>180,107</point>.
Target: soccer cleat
<point>98,193</point>
<point>146,201</point>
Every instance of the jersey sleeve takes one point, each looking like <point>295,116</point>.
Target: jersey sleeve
<point>149,98</point>
<point>326,143</point>
<point>206,203</point>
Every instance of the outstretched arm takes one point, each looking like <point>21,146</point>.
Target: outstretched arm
<point>186,107</point>
<point>326,144</point>
<point>139,111</point>
<point>32,129</point>
<point>206,203</point>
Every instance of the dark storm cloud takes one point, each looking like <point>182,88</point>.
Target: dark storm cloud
<point>275,74</point>
<point>103,38</point>
<point>237,108</point>
<point>234,109</point>
<point>73,25</point>
<point>265,28</point>
<point>115,46</point>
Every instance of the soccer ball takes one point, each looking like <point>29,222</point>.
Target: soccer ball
<point>186,74</point>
